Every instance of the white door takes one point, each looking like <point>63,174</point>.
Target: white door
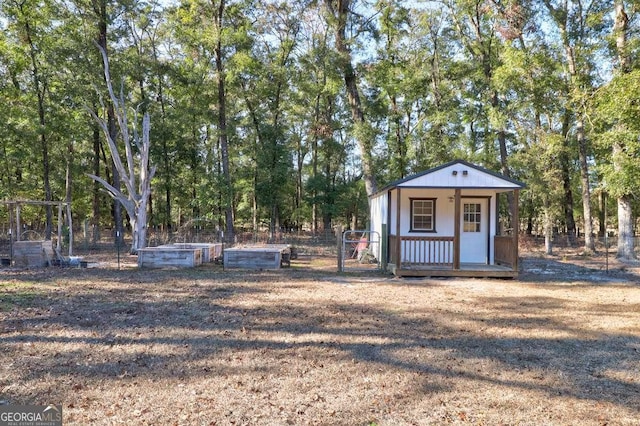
<point>474,232</point>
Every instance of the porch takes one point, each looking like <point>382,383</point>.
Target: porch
<point>436,256</point>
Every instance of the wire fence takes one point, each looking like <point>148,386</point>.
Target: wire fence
<point>322,243</point>
<point>318,243</point>
<point>567,241</point>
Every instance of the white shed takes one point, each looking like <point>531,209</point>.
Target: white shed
<point>444,222</point>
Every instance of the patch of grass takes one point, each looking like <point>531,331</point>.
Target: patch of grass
<point>18,299</point>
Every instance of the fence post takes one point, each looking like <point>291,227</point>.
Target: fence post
<point>339,243</point>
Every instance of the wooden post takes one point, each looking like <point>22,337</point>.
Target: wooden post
<point>398,231</point>
<point>59,242</point>
<point>456,230</point>
<point>516,228</point>
<point>10,208</point>
<point>18,224</point>
<point>339,243</point>
<point>70,224</point>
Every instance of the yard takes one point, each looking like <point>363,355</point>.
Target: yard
<point>306,345</point>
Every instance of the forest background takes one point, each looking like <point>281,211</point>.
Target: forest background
<point>272,115</point>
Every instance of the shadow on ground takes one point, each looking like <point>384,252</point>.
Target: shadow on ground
<point>150,323</point>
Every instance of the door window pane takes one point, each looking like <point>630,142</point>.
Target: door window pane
<point>471,217</point>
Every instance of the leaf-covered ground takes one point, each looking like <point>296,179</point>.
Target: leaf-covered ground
<point>306,345</point>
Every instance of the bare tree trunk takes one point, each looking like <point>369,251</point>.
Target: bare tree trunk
<point>602,226</point>
<point>299,182</point>
<point>548,228</point>
<point>138,190</point>
<point>625,229</point>
<point>620,28</point>
<point>589,240</point>
<point>502,145</point>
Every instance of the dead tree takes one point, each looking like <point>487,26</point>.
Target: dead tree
<point>137,174</point>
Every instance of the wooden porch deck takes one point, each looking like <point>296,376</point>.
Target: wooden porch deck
<point>479,270</point>
<point>439,257</point>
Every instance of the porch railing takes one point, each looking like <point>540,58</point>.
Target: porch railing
<point>421,251</point>
<point>505,250</point>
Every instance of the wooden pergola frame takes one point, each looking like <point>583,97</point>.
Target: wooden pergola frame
<point>17,206</point>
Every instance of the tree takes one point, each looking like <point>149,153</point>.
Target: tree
<point>439,129</point>
<point>617,107</point>
<point>579,23</point>
<point>212,30</point>
<point>477,27</point>
<point>32,23</point>
<point>390,82</point>
<point>135,198</point>
<point>100,10</point>
<point>339,16</point>
<point>316,110</point>
<point>263,73</point>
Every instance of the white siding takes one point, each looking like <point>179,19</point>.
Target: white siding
<point>444,178</point>
<point>443,217</point>
<point>379,212</point>
<point>445,209</point>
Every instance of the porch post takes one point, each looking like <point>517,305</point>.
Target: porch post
<point>384,247</point>
<point>398,242</point>
<point>516,227</point>
<point>456,230</point>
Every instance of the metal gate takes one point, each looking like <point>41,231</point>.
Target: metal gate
<point>360,251</point>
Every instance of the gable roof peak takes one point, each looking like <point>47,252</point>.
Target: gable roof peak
<point>491,178</point>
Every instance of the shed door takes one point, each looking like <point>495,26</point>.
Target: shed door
<point>474,227</point>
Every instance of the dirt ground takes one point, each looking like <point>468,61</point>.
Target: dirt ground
<point>306,345</point>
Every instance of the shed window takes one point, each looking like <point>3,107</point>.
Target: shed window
<point>423,214</point>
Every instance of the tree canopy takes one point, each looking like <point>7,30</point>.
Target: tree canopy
<point>271,114</point>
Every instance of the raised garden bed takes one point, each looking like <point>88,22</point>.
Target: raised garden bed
<point>273,256</point>
<point>168,256</point>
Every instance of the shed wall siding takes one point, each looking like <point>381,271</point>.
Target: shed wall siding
<point>379,212</point>
<point>444,178</point>
<point>444,212</point>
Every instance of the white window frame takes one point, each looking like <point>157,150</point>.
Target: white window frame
<point>412,227</point>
